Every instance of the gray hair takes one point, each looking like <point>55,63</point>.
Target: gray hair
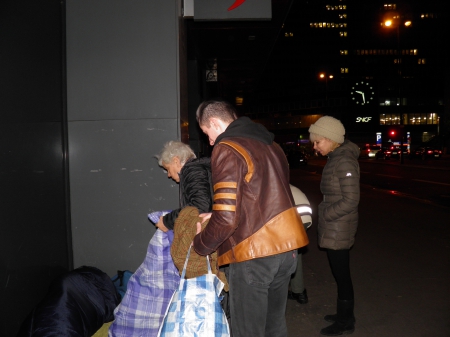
<point>175,149</point>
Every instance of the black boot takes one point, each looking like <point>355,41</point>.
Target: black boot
<point>301,298</point>
<point>344,320</point>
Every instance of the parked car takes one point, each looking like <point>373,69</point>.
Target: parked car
<point>369,151</point>
<point>384,153</point>
<point>396,152</point>
<point>426,152</point>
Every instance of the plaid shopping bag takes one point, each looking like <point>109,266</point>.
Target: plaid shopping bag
<point>195,308</point>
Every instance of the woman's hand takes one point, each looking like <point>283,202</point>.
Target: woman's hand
<point>204,216</point>
<point>160,225</point>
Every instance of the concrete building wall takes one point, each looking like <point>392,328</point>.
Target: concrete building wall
<point>122,105</point>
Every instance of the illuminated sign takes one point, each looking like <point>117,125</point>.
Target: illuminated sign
<point>363,119</point>
<point>379,138</point>
<point>213,10</point>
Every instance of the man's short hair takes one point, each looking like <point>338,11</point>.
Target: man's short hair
<point>222,110</point>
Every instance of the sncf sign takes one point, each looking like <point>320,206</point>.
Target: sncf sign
<point>363,119</point>
<point>213,10</point>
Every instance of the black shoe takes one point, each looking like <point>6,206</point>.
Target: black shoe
<point>338,328</point>
<point>301,298</point>
<point>343,321</point>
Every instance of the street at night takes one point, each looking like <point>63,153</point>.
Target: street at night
<point>400,260</point>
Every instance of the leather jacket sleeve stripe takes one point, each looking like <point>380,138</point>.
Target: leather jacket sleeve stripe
<point>225,184</point>
<point>222,207</point>
<point>231,196</point>
<point>243,153</point>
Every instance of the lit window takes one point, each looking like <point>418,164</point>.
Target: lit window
<point>421,61</point>
<point>343,52</point>
<point>344,70</point>
<point>390,6</point>
<point>343,34</point>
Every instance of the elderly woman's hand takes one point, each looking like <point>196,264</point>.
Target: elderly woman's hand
<point>204,216</point>
<point>160,225</point>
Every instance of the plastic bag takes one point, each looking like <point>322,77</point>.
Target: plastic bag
<point>195,308</point>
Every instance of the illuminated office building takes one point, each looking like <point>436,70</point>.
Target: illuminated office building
<point>386,77</point>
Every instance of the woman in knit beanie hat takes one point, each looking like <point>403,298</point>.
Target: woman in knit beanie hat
<point>338,214</point>
<point>327,133</point>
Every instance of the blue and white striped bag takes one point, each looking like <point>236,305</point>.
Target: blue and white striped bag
<point>195,309</point>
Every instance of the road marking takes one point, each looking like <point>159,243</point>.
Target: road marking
<point>431,182</point>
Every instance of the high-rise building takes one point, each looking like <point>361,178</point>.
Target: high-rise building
<point>386,80</point>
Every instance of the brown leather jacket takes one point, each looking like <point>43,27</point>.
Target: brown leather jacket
<point>253,212</point>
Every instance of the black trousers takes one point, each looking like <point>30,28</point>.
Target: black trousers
<point>340,267</point>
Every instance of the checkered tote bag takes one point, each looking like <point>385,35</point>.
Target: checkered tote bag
<point>195,310</point>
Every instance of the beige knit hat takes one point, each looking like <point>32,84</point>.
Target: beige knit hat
<point>329,127</point>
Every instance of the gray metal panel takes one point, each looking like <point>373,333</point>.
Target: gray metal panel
<point>115,183</point>
<point>123,105</point>
<point>122,59</point>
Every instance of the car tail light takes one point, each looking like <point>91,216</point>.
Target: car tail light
<point>429,151</point>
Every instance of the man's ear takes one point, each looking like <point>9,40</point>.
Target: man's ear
<point>214,122</point>
<point>218,124</point>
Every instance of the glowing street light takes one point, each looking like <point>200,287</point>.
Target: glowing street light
<point>395,21</point>
<point>326,77</point>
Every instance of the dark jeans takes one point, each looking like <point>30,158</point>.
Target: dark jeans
<point>258,295</point>
<point>340,267</point>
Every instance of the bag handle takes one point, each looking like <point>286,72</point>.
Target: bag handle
<point>183,274</point>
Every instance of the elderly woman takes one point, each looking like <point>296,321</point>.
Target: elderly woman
<point>150,288</point>
<point>338,214</point>
<point>194,176</point>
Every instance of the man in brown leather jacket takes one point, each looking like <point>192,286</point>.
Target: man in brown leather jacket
<point>254,225</point>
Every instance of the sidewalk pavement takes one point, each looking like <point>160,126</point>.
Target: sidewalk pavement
<point>400,266</point>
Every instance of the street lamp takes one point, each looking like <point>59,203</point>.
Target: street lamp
<point>326,77</point>
<point>395,21</point>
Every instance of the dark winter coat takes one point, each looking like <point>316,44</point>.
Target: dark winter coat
<point>195,189</point>
<point>338,212</point>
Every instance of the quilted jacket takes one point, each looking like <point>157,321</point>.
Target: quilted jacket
<point>195,189</point>
<point>338,212</point>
